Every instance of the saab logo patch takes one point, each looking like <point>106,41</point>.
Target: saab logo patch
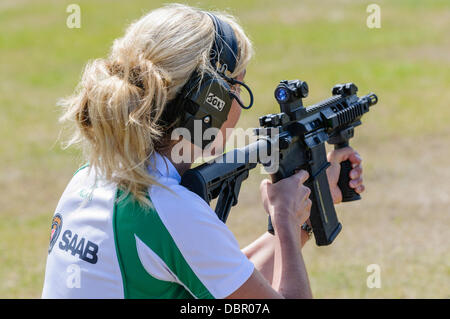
<point>215,102</point>
<point>85,249</point>
<point>55,231</point>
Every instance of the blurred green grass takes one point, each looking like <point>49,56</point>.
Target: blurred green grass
<point>406,62</point>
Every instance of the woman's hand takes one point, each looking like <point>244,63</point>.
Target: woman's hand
<point>356,181</point>
<point>287,201</point>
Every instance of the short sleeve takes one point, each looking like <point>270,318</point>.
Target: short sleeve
<point>200,252</point>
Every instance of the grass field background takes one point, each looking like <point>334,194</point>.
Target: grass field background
<point>402,223</point>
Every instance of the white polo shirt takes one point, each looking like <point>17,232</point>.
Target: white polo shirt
<point>106,246</point>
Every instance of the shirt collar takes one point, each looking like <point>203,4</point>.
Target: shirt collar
<point>163,166</point>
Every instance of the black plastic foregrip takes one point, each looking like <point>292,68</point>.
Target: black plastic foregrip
<point>348,193</point>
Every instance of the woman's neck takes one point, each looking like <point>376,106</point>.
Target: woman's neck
<point>180,167</point>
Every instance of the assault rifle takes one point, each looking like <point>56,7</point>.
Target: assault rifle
<point>299,143</point>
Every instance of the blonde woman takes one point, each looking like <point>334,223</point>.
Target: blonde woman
<point>125,227</point>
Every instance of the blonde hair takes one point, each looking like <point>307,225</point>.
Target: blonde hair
<point>119,101</point>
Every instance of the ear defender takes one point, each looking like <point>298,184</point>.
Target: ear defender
<point>206,100</point>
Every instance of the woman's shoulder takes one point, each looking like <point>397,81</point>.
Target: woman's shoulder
<point>178,200</point>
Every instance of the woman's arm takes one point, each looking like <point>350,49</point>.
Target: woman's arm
<point>288,205</point>
<point>287,262</point>
<point>261,252</point>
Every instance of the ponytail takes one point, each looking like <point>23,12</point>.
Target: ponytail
<point>119,102</point>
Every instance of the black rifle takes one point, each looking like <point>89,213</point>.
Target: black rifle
<point>298,144</point>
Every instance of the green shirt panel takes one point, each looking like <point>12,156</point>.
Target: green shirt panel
<point>132,219</point>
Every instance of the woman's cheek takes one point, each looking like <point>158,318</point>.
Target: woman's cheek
<point>233,118</point>
<point>236,114</point>
<point>218,146</point>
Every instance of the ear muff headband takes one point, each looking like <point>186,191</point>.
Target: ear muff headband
<point>225,47</point>
<point>225,51</point>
